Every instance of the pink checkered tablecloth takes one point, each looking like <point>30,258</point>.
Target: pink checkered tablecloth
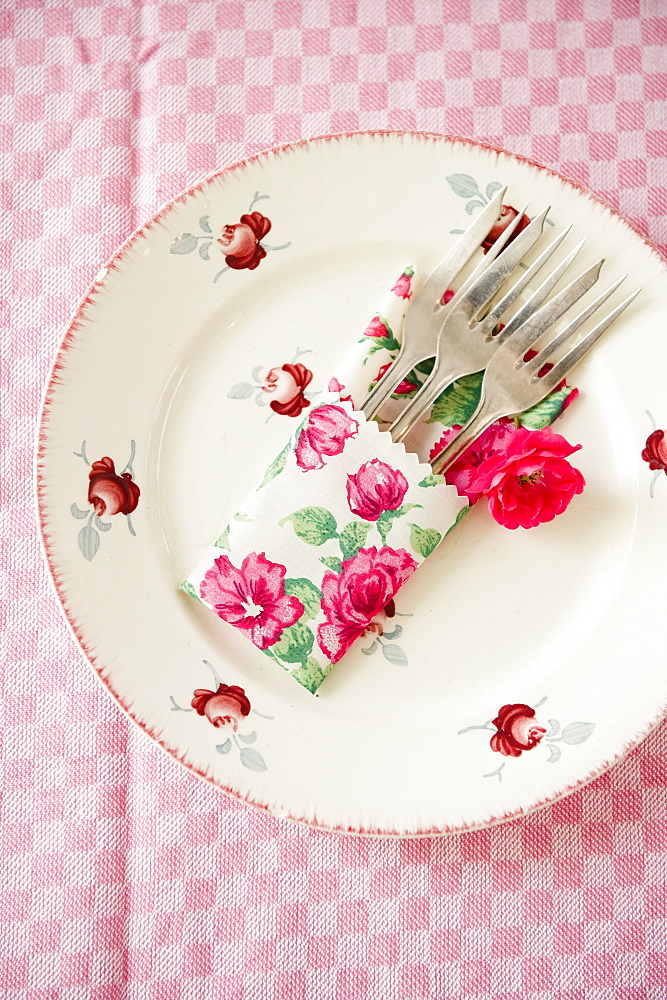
<point>124,876</point>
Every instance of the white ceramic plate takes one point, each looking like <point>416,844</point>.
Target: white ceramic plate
<point>161,369</point>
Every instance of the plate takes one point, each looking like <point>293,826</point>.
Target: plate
<point>161,379</point>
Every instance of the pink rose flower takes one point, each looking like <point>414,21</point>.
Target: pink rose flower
<point>375,488</point>
<point>464,470</point>
<point>376,328</point>
<point>528,480</point>
<point>224,707</point>
<point>324,435</point>
<point>518,730</point>
<point>655,451</point>
<point>110,493</point>
<point>240,242</point>
<point>286,385</point>
<point>507,215</point>
<point>403,287</point>
<point>353,598</point>
<point>251,598</point>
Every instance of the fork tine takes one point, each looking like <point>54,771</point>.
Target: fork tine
<point>529,332</point>
<point>488,278</point>
<point>460,253</point>
<point>537,297</point>
<point>561,338</point>
<point>577,353</point>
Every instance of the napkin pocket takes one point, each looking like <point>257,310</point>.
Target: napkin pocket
<point>340,521</point>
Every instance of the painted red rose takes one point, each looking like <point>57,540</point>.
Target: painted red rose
<point>507,215</point>
<point>528,479</point>
<point>110,493</point>
<point>375,488</point>
<point>285,385</point>
<point>352,598</point>
<point>224,707</point>
<point>240,243</point>
<point>403,388</point>
<point>324,435</point>
<point>517,730</point>
<point>252,598</point>
<point>655,451</point>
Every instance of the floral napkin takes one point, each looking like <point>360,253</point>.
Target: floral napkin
<point>304,581</point>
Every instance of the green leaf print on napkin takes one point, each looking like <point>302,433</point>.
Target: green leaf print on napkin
<point>309,595</point>
<point>386,520</point>
<point>544,413</point>
<point>277,465</point>
<point>310,675</point>
<point>333,563</point>
<point>433,480</point>
<point>314,525</point>
<point>424,540</point>
<point>295,644</point>
<point>352,537</point>
<point>458,402</point>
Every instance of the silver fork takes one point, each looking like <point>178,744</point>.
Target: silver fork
<point>426,313</point>
<point>466,344</point>
<point>512,384</point>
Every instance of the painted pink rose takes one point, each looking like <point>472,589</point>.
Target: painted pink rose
<point>403,287</point>
<point>251,598</point>
<point>285,385</point>
<point>224,707</point>
<point>507,215</point>
<point>352,598</point>
<point>375,488</point>
<point>655,451</point>
<point>403,388</point>
<point>324,435</point>
<point>517,730</point>
<point>528,480</point>
<point>240,243</point>
<point>110,493</point>
<point>377,328</point>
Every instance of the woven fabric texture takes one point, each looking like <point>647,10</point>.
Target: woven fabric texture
<point>124,877</point>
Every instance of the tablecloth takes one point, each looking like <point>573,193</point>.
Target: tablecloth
<point>123,875</point>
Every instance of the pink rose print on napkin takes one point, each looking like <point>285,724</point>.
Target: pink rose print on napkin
<point>225,707</point>
<point>374,489</point>
<point>527,479</point>
<point>517,730</point>
<point>352,598</point>
<point>403,287</point>
<point>324,435</point>
<point>285,385</point>
<point>240,243</point>
<point>251,598</point>
<point>110,493</point>
<point>403,388</point>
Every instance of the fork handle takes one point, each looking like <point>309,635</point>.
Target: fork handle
<point>483,417</point>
